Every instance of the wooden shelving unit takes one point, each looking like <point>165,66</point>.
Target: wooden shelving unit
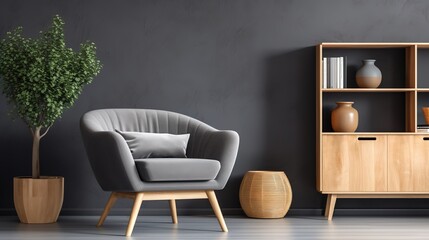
<point>393,164</point>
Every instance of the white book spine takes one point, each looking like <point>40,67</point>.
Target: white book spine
<point>341,71</point>
<point>325,73</point>
<point>335,73</point>
<point>338,73</point>
<point>337,80</point>
<point>331,73</point>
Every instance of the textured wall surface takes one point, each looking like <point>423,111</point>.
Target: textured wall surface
<point>247,65</point>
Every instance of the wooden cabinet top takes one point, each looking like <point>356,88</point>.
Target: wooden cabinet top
<point>372,45</point>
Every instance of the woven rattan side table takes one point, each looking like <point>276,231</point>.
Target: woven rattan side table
<point>265,194</point>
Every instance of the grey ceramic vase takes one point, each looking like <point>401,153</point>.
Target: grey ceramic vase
<point>368,76</point>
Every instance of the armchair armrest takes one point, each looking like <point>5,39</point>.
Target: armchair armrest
<point>111,160</point>
<point>222,145</point>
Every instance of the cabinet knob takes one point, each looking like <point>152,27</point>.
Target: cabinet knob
<point>368,138</point>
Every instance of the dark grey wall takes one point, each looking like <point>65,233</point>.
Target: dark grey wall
<point>245,65</point>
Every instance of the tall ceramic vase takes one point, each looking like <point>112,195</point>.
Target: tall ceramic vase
<point>344,118</point>
<point>368,76</point>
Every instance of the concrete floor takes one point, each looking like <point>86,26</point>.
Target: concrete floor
<point>206,227</point>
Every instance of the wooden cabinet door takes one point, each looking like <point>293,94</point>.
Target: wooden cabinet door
<point>354,163</point>
<point>408,166</point>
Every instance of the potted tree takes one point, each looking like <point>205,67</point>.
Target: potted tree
<point>41,78</point>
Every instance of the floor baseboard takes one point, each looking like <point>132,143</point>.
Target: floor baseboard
<point>233,212</point>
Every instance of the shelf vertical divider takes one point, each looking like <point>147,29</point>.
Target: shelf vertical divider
<point>319,74</point>
<point>411,82</point>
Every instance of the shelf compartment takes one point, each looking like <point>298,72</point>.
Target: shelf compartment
<point>422,101</point>
<point>391,62</point>
<point>423,70</point>
<point>381,112</point>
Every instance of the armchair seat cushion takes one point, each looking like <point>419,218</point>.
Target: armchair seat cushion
<point>177,169</point>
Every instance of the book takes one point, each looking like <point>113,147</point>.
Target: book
<point>340,72</point>
<point>331,76</point>
<point>345,71</point>
<point>334,72</point>
<point>325,73</point>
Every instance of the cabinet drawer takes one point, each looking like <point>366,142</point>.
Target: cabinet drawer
<point>354,163</point>
<point>408,168</point>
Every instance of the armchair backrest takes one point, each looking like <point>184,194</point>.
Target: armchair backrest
<point>141,120</point>
<point>147,120</point>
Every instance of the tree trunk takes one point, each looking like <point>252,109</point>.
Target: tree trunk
<point>36,150</point>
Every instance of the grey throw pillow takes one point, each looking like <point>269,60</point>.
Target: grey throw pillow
<point>156,145</point>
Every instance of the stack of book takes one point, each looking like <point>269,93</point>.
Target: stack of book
<point>334,72</point>
<point>423,128</point>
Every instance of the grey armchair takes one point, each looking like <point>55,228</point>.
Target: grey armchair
<point>117,172</point>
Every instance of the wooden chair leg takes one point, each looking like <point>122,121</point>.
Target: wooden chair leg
<point>330,206</point>
<point>215,205</point>
<point>109,205</point>
<point>173,211</point>
<point>136,208</point>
